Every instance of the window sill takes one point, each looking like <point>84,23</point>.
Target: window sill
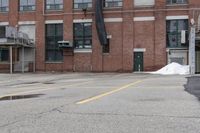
<point>111,8</point>
<point>4,62</point>
<point>27,11</point>
<point>106,54</point>
<point>174,48</point>
<point>4,12</point>
<point>56,10</point>
<point>81,9</point>
<point>82,50</point>
<point>174,5</point>
<point>144,6</point>
<point>56,62</point>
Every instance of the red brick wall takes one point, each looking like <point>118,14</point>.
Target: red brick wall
<point>51,67</point>
<point>113,60</point>
<point>160,40</point>
<point>97,65</point>
<point>5,67</point>
<point>146,29</point>
<point>126,35</point>
<point>82,62</point>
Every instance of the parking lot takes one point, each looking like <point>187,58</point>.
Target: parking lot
<point>97,103</point>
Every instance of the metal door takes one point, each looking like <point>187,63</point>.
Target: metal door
<point>138,61</point>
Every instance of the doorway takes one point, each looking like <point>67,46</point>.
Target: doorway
<point>138,61</point>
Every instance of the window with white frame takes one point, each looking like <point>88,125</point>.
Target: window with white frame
<point>144,2</point>
<point>113,3</point>
<point>4,5</point>
<point>169,2</point>
<point>54,4</point>
<point>27,5</point>
<point>81,4</point>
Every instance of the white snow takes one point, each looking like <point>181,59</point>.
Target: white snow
<point>173,68</point>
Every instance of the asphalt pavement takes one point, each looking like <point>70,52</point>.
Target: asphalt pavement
<point>98,103</point>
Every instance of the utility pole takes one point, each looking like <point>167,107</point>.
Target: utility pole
<point>192,48</point>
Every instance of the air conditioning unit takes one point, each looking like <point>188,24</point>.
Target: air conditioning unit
<point>65,44</point>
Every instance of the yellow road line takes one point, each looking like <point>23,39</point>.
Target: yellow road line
<point>108,93</point>
<point>45,89</point>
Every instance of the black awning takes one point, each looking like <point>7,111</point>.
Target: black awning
<point>100,25</point>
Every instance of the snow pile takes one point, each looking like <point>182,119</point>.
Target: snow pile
<point>173,68</point>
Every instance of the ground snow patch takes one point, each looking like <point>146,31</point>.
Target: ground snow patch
<point>173,68</point>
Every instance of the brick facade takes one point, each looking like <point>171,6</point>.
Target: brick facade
<point>126,35</point>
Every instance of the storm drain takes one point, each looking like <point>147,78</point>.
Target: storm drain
<point>17,97</point>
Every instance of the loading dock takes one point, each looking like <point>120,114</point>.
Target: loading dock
<point>19,46</point>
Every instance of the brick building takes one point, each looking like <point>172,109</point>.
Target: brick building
<point>142,35</point>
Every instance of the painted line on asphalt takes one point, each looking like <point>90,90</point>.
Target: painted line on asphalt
<point>40,90</point>
<point>108,93</point>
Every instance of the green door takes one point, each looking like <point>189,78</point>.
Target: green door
<point>138,61</point>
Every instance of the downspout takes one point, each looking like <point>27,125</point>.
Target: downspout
<point>100,25</point>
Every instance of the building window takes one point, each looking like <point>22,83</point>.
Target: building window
<point>4,5</point>
<point>174,29</point>
<point>112,3</point>
<point>54,33</point>
<point>169,2</point>
<point>4,55</point>
<point>27,5</point>
<point>82,4</point>
<point>144,2</point>
<point>106,48</point>
<point>28,29</point>
<point>54,4</point>
<point>2,31</point>
<point>83,35</point>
